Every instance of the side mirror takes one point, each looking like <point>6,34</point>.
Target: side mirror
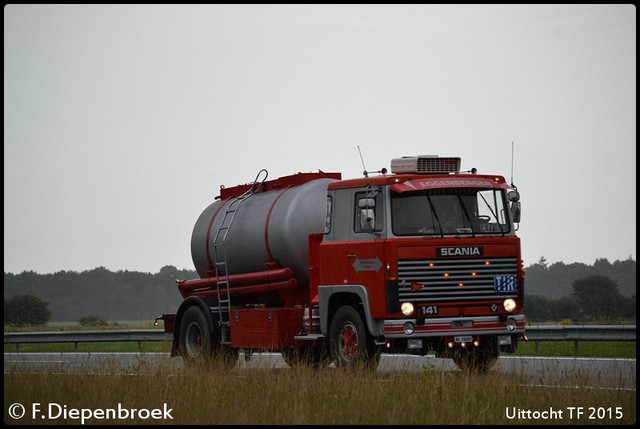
<point>515,211</point>
<point>367,220</point>
<point>513,196</point>
<point>366,203</point>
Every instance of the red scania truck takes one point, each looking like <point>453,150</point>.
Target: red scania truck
<point>325,270</point>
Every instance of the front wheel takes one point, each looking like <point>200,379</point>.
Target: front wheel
<point>478,359</point>
<point>313,356</point>
<point>349,342</point>
<point>297,357</point>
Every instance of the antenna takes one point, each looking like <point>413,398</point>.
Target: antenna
<point>382,171</point>
<point>366,174</point>
<point>512,145</point>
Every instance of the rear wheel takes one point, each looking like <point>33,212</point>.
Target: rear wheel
<point>349,342</point>
<point>199,344</point>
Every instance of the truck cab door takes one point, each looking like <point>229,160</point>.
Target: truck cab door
<point>366,259</point>
<point>352,252</point>
<point>334,247</point>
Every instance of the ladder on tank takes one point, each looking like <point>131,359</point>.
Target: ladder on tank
<point>220,258</point>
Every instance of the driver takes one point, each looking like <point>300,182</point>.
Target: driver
<point>449,219</point>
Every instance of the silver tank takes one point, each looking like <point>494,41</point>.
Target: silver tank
<point>295,213</point>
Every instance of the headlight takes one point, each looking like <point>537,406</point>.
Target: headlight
<point>407,308</point>
<point>509,305</point>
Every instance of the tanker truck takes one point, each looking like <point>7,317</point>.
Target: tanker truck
<point>331,271</point>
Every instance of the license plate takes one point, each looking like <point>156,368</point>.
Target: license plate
<point>463,339</point>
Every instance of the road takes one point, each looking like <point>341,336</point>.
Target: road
<point>596,372</point>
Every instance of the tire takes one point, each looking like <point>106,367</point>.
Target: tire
<point>297,357</point>
<point>478,359</point>
<point>199,344</point>
<point>349,342</point>
<point>195,335</point>
<point>314,356</point>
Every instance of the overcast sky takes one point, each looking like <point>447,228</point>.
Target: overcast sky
<point>121,122</point>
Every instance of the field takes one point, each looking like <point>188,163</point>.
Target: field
<point>326,396</point>
<point>304,396</point>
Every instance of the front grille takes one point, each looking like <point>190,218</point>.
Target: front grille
<point>455,279</point>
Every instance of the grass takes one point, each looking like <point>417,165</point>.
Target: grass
<point>213,395</point>
<point>316,397</point>
<point>75,326</point>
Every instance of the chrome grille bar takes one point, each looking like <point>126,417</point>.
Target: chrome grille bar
<point>453,279</point>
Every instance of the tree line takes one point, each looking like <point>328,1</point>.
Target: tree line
<point>111,296</point>
<point>576,292</point>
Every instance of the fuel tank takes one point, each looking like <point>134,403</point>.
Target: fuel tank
<point>264,229</point>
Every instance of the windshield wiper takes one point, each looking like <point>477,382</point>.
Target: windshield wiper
<point>495,216</point>
<point>435,215</point>
<point>466,213</point>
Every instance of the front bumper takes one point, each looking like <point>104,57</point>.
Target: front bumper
<point>448,326</point>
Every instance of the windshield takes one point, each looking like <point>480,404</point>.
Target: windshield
<point>449,211</point>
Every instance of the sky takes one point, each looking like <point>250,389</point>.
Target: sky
<point>121,122</point>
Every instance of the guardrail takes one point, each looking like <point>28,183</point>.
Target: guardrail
<point>575,333</point>
<point>581,333</point>
<point>88,336</point>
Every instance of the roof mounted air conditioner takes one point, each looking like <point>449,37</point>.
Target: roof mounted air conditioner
<point>425,164</point>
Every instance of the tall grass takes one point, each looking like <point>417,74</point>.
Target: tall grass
<point>325,396</point>
<point>215,395</point>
